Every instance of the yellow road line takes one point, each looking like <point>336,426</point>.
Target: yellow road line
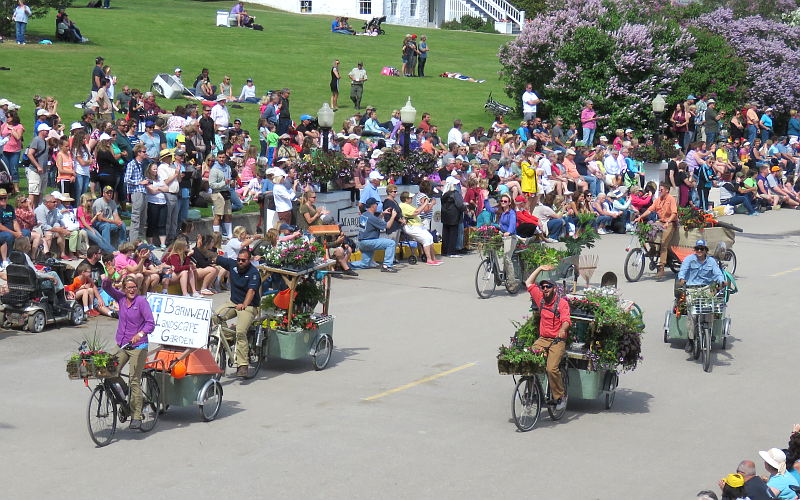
<point>784,272</point>
<point>418,382</point>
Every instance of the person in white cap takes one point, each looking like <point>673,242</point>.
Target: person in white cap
<point>780,481</point>
<point>765,124</point>
<point>220,114</point>
<point>248,93</point>
<point>39,154</point>
<point>452,215</point>
<point>370,190</point>
<point>177,76</point>
<point>3,109</point>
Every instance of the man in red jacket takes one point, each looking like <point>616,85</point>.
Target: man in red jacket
<point>554,322</point>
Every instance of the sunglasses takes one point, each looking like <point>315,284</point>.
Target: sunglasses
<point>242,260</point>
<point>545,286</point>
<point>504,202</point>
<point>701,249</point>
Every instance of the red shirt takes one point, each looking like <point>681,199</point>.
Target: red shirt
<point>549,324</point>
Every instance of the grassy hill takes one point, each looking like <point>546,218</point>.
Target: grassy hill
<point>140,38</point>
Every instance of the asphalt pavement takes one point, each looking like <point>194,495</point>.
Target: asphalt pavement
<point>412,406</point>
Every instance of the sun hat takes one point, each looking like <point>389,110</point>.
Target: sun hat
<point>221,97</point>
<point>570,152</point>
<point>282,159</point>
<point>166,152</point>
<point>375,175</point>
<point>776,458</point>
<point>734,480</point>
<point>47,127</point>
<point>148,94</point>
<point>75,126</point>
<point>3,192</point>
<point>452,180</point>
<point>4,102</point>
<point>13,107</point>
<point>352,136</point>
<point>603,138</point>
<point>285,136</point>
<point>714,101</point>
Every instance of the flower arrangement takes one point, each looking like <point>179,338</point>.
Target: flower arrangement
<point>296,254</point>
<point>412,169</point>
<point>695,218</point>
<point>298,322</point>
<point>322,168</point>
<point>309,294</point>
<point>519,356</point>
<point>487,237</point>
<point>646,232</point>
<point>91,360</point>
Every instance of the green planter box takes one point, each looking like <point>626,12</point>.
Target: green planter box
<point>678,328</point>
<point>297,345</point>
<point>181,391</point>
<point>585,384</point>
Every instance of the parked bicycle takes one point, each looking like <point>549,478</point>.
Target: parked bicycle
<point>110,403</point>
<point>222,344</point>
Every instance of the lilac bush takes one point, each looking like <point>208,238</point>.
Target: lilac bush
<point>771,50</point>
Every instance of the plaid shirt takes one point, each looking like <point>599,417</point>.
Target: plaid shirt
<point>133,177</point>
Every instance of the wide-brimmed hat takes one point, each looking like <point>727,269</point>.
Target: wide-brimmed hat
<point>75,126</point>
<point>570,152</point>
<point>166,152</point>
<point>285,136</point>
<point>776,458</point>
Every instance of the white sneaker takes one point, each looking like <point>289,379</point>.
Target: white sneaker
<point>600,230</point>
<point>196,295</point>
<point>562,403</point>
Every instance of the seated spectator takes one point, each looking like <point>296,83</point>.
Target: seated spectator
<point>126,265</point>
<point>243,20</point>
<point>106,217</point>
<point>67,30</point>
<point>373,128</point>
<point>239,241</point>
<point>527,223</point>
<point>10,228</point>
<point>605,216</point>
<point>415,229</point>
<point>641,198</point>
<point>27,222</point>
<point>780,479</point>
<point>183,269</point>
<point>550,222</point>
<point>77,241</point>
<point>369,239</point>
<point>23,246</point>
<point>84,290</point>
<point>735,193</point>
<point>248,93</point>
<point>337,26</point>
<point>202,86</point>
<point>204,262</point>
<point>775,183</point>
<point>622,203</point>
<point>49,222</point>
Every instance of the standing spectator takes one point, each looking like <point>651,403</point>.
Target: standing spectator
<point>207,129</point>
<point>452,215</point>
<point>219,180</point>
<point>357,78</point>
<point>412,56</point>
<point>65,167</point>
<point>220,114</point>
<point>123,99</point>
<point>97,76</point>
<point>107,219</point>
<point>793,127</point>
<point>765,124</point>
<point>751,122</point>
<point>335,77</point>
<point>13,130</point>
<point>21,15</point>
<point>39,156</point>
<point>135,185</point>
<point>81,161</point>
<point>272,111</point>
<point>423,55</point>
<point>529,102</point>
<point>589,123</point>
<point>283,195</point>
<point>711,122</point>
<point>284,116</point>
<point>169,174</point>
<point>156,201</point>
<point>369,240</point>
<point>680,125</point>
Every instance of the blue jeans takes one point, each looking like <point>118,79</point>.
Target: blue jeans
<point>765,135</point>
<point>236,202</point>
<point>7,239</point>
<point>81,186</point>
<point>97,239</point>
<point>106,228</point>
<point>594,183</point>
<point>711,137</point>
<point>752,132</point>
<point>368,247</point>
<point>740,199</point>
<point>251,100</point>
<point>12,162</point>
<point>554,228</point>
<point>588,136</point>
<point>601,221</point>
<point>183,208</point>
<point>21,27</point>
<point>688,138</point>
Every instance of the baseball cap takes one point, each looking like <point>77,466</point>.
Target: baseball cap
<point>108,188</point>
<point>180,152</point>
<point>285,227</point>
<point>776,168</point>
<point>249,79</point>
<point>180,138</point>
<point>75,126</point>
<point>520,199</point>
<point>41,112</point>
<point>178,70</point>
<point>690,97</point>
<point>734,480</point>
<point>44,127</point>
<point>103,136</point>
<point>370,202</point>
<point>375,175</point>
<point>306,117</point>
<point>701,244</point>
<point>376,154</point>
<point>3,192</point>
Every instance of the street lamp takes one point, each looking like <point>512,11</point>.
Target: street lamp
<point>658,105</point>
<point>408,115</point>
<point>325,119</point>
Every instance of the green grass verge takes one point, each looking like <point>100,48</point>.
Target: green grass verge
<point>140,38</point>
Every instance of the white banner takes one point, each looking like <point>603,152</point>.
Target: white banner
<point>180,321</point>
<point>348,220</point>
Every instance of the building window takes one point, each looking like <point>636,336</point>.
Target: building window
<point>365,6</point>
<point>412,8</point>
<point>393,8</point>
<point>305,6</point>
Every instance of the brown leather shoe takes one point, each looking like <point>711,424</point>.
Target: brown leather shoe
<point>241,371</point>
<point>661,275</point>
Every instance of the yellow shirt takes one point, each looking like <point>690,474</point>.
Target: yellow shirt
<point>408,213</point>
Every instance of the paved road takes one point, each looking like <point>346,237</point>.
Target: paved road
<point>296,433</point>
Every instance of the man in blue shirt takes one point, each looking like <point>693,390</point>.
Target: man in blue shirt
<point>371,225</point>
<point>370,190</point>
<point>699,269</point>
<point>245,283</point>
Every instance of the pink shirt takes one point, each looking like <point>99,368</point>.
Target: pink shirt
<point>350,150</point>
<point>13,145</point>
<point>587,114</point>
<point>121,261</point>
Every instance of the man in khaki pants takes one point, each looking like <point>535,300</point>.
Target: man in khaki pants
<point>245,283</point>
<point>666,208</point>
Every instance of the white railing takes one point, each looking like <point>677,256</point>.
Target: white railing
<point>500,10</point>
<point>457,8</point>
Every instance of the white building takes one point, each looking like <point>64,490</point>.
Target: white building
<point>418,13</point>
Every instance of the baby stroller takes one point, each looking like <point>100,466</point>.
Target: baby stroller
<point>495,107</point>
<point>374,24</point>
<point>5,177</point>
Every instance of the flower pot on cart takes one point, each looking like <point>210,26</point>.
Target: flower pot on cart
<point>297,344</point>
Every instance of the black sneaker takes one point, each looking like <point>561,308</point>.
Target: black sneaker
<point>350,272</point>
<point>387,269</point>
<point>135,424</point>
<point>689,346</point>
<point>115,314</point>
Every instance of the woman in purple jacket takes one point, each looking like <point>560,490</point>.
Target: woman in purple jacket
<point>135,323</point>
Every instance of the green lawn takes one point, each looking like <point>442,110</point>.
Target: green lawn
<point>140,38</point>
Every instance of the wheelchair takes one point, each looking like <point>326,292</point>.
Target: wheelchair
<point>32,302</point>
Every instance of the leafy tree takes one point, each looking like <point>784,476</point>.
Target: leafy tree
<point>39,8</point>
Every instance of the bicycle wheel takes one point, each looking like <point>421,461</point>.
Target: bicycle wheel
<point>210,400</point>
<point>634,264</point>
<point>323,349</point>
<point>729,261</point>
<point>696,343</point>
<point>570,279</point>
<point>150,400</point>
<point>610,386</point>
<point>101,416</point>
<point>255,353</point>
<point>551,409</point>
<point>526,404</point>
<point>485,279</point>
<point>218,351</point>
<point>706,345</point>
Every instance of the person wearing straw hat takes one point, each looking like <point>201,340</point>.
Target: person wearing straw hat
<point>780,481</point>
<point>170,175</point>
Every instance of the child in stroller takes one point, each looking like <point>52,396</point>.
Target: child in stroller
<point>373,26</point>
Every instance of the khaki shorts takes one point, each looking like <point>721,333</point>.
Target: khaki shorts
<point>221,205</point>
<point>36,181</point>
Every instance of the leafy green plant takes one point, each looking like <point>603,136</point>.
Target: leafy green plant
<point>585,235</point>
<point>470,23</point>
<point>540,255</point>
<point>309,294</point>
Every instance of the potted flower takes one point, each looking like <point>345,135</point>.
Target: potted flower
<point>91,360</point>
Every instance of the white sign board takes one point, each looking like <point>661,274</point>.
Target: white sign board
<point>180,321</point>
<point>348,220</point>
